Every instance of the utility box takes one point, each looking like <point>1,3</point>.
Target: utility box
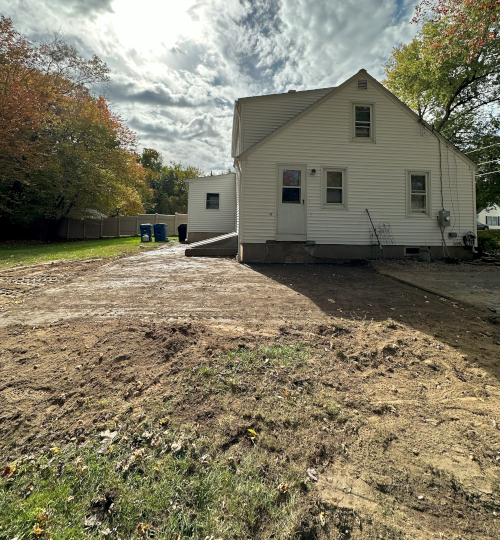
<point>444,218</point>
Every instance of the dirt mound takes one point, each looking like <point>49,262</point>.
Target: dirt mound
<point>366,429</point>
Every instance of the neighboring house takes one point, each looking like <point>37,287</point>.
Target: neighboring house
<point>310,164</point>
<point>211,206</point>
<point>490,216</point>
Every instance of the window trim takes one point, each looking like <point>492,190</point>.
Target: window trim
<point>371,139</point>
<point>428,191</point>
<point>344,203</point>
<point>206,201</point>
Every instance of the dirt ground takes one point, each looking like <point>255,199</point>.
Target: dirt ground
<point>402,423</point>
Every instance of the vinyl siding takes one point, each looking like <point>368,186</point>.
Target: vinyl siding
<point>262,115</point>
<point>202,220</point>
<point>377,175</point>
<point>494,211</point>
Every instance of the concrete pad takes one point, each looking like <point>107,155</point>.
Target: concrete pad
<point>477,286</point>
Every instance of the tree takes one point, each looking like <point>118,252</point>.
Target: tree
<point>450,74</point>
<point>170,190</point>
<point>62,150</point>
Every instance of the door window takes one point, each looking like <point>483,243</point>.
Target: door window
<point>291,186</point>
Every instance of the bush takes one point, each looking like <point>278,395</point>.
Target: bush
<point>489,241</point>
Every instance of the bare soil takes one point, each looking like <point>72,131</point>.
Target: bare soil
<point>401,422</point>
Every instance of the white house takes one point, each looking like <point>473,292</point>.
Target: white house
<point>211,206</point>
<point>332,173</point>
<point>310,164</point>
<point>490,216</point>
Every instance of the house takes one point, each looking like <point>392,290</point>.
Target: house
<point>336,172</point>
<point>490,216</point>
<point>211,206</point>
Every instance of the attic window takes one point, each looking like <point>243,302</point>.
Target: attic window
<point>362,84</point>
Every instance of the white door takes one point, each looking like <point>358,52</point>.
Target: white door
<point>291,222</point>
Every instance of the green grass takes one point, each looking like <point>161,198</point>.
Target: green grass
<point>156,486</point>
<point>27,253</point>
<point>489,241</point>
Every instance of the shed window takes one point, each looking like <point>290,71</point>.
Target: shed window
<point>212,201</point>
<point>418,192</point>
<point>492,220</point>
<point>363,121</point>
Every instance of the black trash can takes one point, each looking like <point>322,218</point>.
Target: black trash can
<point>146,231</point>
<point>182,229</point>
<point>161,232</point>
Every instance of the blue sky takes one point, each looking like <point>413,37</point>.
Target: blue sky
<point>178,65</point>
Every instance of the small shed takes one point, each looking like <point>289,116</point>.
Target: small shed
<point>211,206</point>
<point>490,216</point>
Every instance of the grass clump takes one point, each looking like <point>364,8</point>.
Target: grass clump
<point>150,482</point>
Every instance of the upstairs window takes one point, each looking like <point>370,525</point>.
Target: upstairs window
<point>362,121</point>
<point>418,192</point>
<point>492,220</point>
<point>212,201</point>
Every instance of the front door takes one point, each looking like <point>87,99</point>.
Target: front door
<point>291,222</point>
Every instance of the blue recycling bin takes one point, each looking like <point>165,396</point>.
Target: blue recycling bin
<point>161,232</point>
<point>146,230</point>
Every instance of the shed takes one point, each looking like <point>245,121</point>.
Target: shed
<point>211,206</point>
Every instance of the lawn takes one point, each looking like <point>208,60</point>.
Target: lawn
<point>28,253</point>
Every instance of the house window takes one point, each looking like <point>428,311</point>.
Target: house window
<point>334,187</point>
<point>492,220</point>
<point>363,121</point>
<point>212,201</point>
<point>418,192</point>
<point>291,186</point>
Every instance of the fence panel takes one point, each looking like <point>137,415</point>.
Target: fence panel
<point>128,226</point>
<point>91,228</point>
<point>110,227</point>
<point>88,228</point>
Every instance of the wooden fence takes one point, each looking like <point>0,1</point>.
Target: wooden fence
<point>89,228</point>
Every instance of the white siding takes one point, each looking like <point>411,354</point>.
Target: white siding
<point>491,211</point>
<point>202,220</point>
<point>376,175</point>
<point>262,115</point>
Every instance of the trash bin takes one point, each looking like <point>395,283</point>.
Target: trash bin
<point>146,232</point>
<point>182,229</point>
<point>161,232</point>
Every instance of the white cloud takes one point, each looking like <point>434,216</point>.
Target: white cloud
<point>178,66</point>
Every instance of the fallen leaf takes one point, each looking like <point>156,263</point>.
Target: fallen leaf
<point>312,474</point>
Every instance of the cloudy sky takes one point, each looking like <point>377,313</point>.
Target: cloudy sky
<point>178,65</point>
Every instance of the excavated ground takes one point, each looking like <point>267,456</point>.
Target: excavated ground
<point>393,409</point>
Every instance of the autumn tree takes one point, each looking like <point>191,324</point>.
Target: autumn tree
<point>450,74</point>
<point>62,150</point>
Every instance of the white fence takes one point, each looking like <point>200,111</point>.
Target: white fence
<point>90,228</point>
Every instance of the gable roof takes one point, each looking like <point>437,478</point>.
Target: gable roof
<point>335,90</point>
<point>261,115</point>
